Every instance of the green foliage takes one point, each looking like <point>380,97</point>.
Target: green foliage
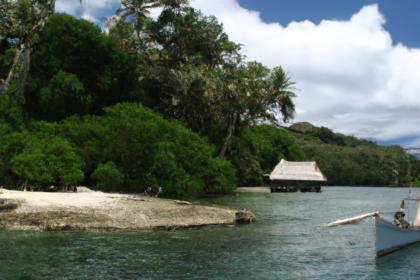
<point>416,183</point>
<point>78,66</point>
<point>48,160</point>
<point>18,18</point>
<point>107,176</point>
<point>259,149</point>
<point>348,161</point>
<point>327,136</point>
<point>149,151</point>
<point>7,55</point>
<point>10,111</point>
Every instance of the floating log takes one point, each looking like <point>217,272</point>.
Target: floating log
<point>351,220</point>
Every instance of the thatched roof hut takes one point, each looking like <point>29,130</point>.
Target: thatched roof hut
<point>296,171</point>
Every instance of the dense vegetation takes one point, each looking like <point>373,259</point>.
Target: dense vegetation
<point>150,103</point>
<point>349,161</point>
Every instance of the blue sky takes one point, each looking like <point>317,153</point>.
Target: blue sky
<point>355,63</point>
<point>403,18</point>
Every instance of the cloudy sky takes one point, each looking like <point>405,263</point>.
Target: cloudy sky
<point>356,63</point>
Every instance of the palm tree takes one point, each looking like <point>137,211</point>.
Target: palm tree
<point>138,9</point>
<point>281,87</point>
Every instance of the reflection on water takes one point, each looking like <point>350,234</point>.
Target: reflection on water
<point>284,243</point>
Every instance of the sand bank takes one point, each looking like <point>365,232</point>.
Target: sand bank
<point>90,211</point>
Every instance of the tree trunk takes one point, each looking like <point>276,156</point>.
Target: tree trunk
<point>23,76</point>
<point>53,6</point>
<point>11,73</point>
<point>231,128</point>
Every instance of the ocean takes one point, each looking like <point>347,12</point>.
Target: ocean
<point>284,243</point>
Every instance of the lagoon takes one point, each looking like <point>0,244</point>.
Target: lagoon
<point>284,243</point>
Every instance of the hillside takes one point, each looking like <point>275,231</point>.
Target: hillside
<point>348,160</point>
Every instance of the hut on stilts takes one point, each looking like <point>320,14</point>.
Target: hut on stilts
<point>289,176</point>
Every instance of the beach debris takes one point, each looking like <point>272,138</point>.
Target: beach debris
<point>136,199</point>
<point>351,220</point>
<point>151,189</point>
<point>83,189</point>
<point>244,216</point>
<point>182,202</point>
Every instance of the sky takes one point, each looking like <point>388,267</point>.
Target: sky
<point>355,63</point>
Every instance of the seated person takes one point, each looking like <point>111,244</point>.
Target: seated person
<point>400,220</point>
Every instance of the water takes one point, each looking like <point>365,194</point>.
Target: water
<point>283,244</point>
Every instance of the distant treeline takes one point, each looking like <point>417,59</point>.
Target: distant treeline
<point>347,160</point>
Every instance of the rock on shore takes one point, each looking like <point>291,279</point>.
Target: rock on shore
<point>90,211</point>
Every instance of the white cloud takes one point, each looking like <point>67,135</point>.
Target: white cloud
<point>351,78</point>
<point>91,10</point>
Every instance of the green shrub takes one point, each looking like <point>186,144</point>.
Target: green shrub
<point>259,149</point>
<point>107,176</point>
<point>48,160</point>
<point>148,150</point>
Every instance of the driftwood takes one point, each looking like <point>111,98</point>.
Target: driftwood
<point>244,216</point>
<point>351,220</point>
<point>136,199</point>
<point>182,202</point>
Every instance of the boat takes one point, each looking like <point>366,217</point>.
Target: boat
<point>390,237</point>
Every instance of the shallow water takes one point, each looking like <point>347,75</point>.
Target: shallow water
<point>284,243</point>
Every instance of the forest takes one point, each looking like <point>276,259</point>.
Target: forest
<point>168,102</point>
<point>350,161</point>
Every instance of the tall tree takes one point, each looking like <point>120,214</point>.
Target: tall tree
<point>82,71</point>
<point>20,20</point>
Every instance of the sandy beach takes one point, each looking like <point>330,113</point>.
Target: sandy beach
<point>93,211</point>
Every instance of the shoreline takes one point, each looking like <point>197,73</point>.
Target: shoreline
<point>95,211</point>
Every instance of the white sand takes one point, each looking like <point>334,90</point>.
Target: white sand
<point>87,210</point>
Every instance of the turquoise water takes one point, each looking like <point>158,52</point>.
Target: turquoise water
<point>283,244</point>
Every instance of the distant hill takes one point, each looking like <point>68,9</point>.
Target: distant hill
<point>351,161</point>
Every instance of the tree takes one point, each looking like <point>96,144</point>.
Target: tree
<point>251,94</point>
<point>107,176</point>
<point>20,20</point>
<point>258,149</point>
<point>48,161</point>
<point>147,150</point>
<point>138,9</point>
<point>80,71</point>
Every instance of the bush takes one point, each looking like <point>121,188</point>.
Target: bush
<point>148,150</point>
<point>259,149</point>
<point>48,161</point>
<point>107,176</point>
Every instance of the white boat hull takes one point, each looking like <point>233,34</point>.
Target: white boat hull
<point>389,238</point>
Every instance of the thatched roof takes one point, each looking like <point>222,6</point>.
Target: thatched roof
<point>297,171</point>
